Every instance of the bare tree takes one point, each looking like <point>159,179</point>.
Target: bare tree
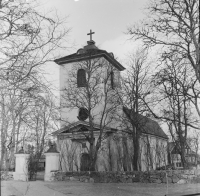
<point>118,152</point>
<point>107,152</point>
<point>134,90</point>
<point>149,153</point>
<point>23,121</point>
<point>97,97</point>
<point>194,144</point>
<point>28,39</point>
<point>161,154</point>
<point>174,25</point>
<point>41,121</point>
<point>194,95</point>
<point>13,103</point>
<point>173,83</point>
<point>69,155</point>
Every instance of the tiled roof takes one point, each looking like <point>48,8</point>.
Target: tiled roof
<point>91,52</point>
<point>146,124</point>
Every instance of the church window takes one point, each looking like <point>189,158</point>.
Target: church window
<point>84,145</point>
<point>83,114</point>
<point>117,78</point>
<point>81,78</point>
<point>112,79</point>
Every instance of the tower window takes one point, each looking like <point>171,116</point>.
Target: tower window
<point>84,145</point>
<point>112,79</point>
<point>81,78</point>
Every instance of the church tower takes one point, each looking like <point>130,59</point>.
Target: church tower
<point>88,79</point>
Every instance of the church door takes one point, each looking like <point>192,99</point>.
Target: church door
<point>85,160</point>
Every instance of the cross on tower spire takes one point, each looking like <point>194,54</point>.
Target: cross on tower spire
<point>90,34</point>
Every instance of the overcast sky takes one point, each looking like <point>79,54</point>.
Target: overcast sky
<point>109,20</point>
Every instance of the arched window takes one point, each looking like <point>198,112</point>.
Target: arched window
<point>81,78</point>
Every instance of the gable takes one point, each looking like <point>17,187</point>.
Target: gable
<point>174,148</point>
<point>78,127</point>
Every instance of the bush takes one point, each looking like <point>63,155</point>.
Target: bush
<point>33,165</point>
<point>167,167</point>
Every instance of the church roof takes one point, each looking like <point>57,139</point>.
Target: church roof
<point>146,124</point>
<point>89,52</point>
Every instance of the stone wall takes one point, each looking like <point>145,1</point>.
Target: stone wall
<point>172,176</point>
<point>6,175</point>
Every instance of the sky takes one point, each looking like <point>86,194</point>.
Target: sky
<point>109,20</point>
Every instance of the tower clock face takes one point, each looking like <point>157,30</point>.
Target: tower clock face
<point>83,114</point>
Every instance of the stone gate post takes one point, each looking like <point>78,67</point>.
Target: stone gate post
<point>52,162</point>
<point>21,166</point>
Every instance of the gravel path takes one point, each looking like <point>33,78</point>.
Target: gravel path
<point>41,188</point>
<point>115,189</point>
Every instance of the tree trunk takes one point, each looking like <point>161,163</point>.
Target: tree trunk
<point>12,149</point>
<point>135,139</point>
<point>4,131</point>
<point>182,154</point>
<point>135,157</point>
<point>93,159</point>
<point>17,134</point>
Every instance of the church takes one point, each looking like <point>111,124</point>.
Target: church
<point>93,132</point>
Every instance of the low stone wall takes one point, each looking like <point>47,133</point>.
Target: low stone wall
<point>6,175</point>
<point>172,176</point>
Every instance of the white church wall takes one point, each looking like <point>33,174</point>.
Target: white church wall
<point>113,155</point>
<point>152,159</point>
<point>157,147</point>
<point>109,155</point>
<point>70,153</point>
<point>153,152</point>
<point>69,115</point>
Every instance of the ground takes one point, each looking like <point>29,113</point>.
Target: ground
<point>41,188</point>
